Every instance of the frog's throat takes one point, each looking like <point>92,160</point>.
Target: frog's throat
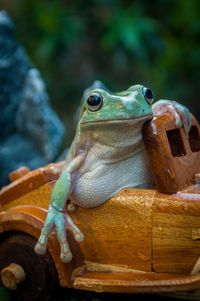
<point>131,119</point>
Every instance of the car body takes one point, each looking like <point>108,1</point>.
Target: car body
<point>139,241</point>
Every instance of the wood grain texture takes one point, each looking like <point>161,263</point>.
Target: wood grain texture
<point>108,268</point>
<point>175,220</point>
<point>135,233</point>
<point>30,220</point>
<point>20,172</point>
<point>119,231</point>
<point>129,283</point>
<point>172,172</point>
<point>12,275</point>
<point>30,181</point>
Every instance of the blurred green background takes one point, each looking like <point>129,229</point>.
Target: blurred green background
<point>121,42</point>
<point>72,43</point>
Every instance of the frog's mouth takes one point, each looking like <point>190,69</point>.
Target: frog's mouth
<point>120,120</point>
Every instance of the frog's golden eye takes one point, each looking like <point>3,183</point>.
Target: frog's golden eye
<point>148,95</point>
<point>95,102</point>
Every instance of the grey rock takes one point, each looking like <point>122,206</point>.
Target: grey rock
<point>35,119</point>
<point>14,65</point>
<point>26,155</point>
<point>30,132</point>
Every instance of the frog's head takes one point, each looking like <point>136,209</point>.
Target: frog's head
<point>129,105</point>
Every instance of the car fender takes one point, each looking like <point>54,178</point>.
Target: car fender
<point>30,220</point>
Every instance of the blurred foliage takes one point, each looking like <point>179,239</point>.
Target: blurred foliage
<point>4,294</point>
<point>120,42</point>
<point>65,294</point>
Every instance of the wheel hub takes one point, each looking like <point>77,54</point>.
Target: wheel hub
<point>12,275</point>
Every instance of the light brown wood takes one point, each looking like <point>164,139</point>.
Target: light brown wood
<point>29,220</point>
<point>129,283</point>
<point>12,275</point>
<point>30,181</point>
<point>174,220</point>
<point>119,232</point>
<point>196,268</point>
<point>108,268</point>
<point>139,241</point>
<point>18,173</point>
<point>137,229</point>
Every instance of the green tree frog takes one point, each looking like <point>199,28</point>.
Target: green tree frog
<point>106,155</point>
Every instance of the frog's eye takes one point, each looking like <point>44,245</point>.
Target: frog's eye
<point>148,95</point>
<point>95,102</point>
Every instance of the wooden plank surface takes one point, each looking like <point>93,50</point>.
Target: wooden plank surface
<point>175,240</point>
<point>129,283</point>
<point>119,232</point>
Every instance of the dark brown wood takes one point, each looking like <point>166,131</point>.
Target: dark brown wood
<point>41,275</point>
<point>174,157</point>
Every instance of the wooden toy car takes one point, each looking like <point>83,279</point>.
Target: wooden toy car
<point>140,241</point>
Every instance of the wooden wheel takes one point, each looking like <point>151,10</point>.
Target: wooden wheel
<point>39,278</point>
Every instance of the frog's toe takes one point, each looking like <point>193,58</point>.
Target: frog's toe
<point>182,116</point>
<point>79,237</point>
<point>40,249</point>
<point>77,233</point>
<point>66,256</point>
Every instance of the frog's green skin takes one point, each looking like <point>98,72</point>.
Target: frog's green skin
<point>107,154</point>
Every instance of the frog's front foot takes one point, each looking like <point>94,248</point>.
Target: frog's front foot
<point>180,113</point>
<point>61,221</point>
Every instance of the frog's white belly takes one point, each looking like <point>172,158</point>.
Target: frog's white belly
<point>98,184</point>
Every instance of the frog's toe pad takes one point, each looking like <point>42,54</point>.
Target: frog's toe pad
<point>40,249</point>
<point>79,237</point>
<point>66,257</point>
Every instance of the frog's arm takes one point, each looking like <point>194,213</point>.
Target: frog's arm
<point>57,217</point>
<point>180,112</point>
